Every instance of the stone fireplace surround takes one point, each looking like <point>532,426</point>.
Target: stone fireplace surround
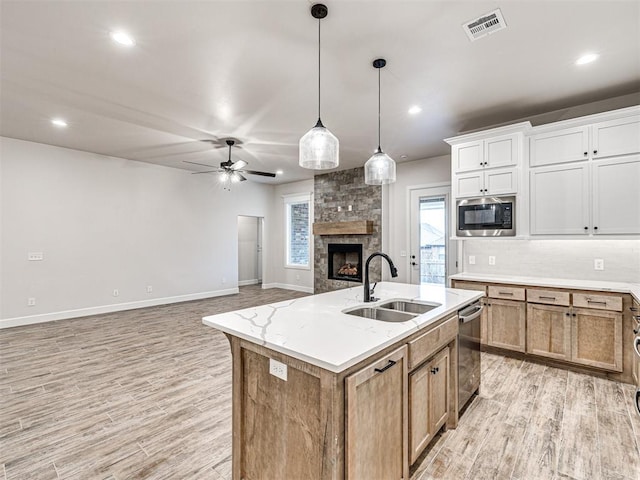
<point>341,189</point>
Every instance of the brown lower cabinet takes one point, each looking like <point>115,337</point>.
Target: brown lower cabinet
<point>549,331</point>
<point>597,338</point>
<point>376,419</point>
<point>506,324</point>
<point>428,402</point>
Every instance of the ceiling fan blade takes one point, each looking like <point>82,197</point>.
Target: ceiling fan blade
<point>264,174</point>
<point>208,171</point>
<point>242,178</point>
<point>238,165</point>
<point>196,163</point>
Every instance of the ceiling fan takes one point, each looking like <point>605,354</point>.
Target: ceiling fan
<point>231,172</point>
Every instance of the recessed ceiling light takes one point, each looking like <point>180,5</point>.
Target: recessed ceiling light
<point>58,122</point>
<point>279,172</point>
<point>587,58</point>
<point>403,156</point>
<point>123,38</point>
<point>414,110</point>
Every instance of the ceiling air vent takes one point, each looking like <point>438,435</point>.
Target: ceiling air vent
<point>485,25</point>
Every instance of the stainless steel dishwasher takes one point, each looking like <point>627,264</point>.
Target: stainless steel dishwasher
<point>469,352</point>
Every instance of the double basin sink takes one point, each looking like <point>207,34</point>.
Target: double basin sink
<point>393,311</point>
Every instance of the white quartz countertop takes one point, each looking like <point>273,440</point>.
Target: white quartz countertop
<point>603,286</point>
<point>314,329</point>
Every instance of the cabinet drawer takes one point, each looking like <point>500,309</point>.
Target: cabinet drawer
<point>426,345</point>
<point>480,287</point>
<point>548,297</point>
<point>600,302</point>
<point>509,293</point>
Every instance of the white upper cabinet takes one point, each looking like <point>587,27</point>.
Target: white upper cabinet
<point>491,182</point>
<point>560,200</point>
<point>616,137</point>
<point>616,196</point>
<point>500,151</point>
<point>561,146</point>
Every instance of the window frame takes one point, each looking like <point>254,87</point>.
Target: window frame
<point>289,201</point>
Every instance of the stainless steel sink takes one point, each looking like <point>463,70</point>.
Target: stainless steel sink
<point>381,314</point>
<point>407,306</point>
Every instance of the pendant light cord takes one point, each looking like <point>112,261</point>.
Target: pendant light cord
<point>319,20</point>
<point>379,149</point>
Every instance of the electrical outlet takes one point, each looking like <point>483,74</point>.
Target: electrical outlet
<point>116,292</point>
<point>278,369</point>
<point>35,256</point>
<point>149,289</point>
<point>492,260</point>
<point>472,259</point>
<point>31,302</point>
<point>598,263</point>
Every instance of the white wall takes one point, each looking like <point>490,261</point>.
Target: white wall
<point>294,279</point>
<point>248,230</point>
<point>435,171</point>
<point>571,259</point>
<point>106,223</point>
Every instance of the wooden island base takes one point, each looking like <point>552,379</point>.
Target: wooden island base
<point>368,421</point>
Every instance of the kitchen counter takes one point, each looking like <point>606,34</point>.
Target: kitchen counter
<point>315,330</point>
<point>603,286</point>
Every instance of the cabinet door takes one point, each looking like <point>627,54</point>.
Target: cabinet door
<point>468,156</point>
<point>506,322</point>
<point>470,184</point>
<point>597,338</point>
<point>499,182</point>
<point>559,202</point>
<point>549,331</point>
<point>616,137</point>
<point>502,151</point>
<point>616,195</point>
<point>376,420</point>
<point>428,402</point>
<point>562,146</point>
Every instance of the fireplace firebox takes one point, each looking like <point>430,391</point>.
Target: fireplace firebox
<point>345,261</point>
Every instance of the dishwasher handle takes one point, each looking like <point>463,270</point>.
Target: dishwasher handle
<point>470,313</point>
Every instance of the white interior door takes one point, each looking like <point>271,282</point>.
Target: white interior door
<point>249,250</point>
<point>433,255</point>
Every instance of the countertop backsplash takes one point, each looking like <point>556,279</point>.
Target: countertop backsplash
<point>555,258</point>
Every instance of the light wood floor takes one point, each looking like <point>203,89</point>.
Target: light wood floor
<point>146,394</point>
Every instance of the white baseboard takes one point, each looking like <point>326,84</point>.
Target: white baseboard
<point>253,281</point>
<point>286,286</point>
<point>83,312</point>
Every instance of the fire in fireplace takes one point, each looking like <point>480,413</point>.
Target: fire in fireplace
<point>345,261</point>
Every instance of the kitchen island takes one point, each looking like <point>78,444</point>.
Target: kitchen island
<point>322,394</point>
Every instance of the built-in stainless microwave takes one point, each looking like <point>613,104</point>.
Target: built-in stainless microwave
<point>486,217</point>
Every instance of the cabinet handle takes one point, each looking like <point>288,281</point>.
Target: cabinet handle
<point>596,302</point>
<point>435,370</point>
<point>547,298</point>
<point>386,367</point>
<point>638,400</point>
<point>507,293</point>
<point>633,309</point>
<point>636,317</point>
<point>636,345</point>
<point>595,228</point>
<point>586,153</point>
<point>636,332</point>
<point>573,314</point>
<point>595,152</point>
<point>568,314</point>
<point>586,228</point>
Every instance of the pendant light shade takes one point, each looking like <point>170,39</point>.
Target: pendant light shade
<point>380,169</point>
<point>319,148</point>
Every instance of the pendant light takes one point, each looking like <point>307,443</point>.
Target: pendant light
<point>380,168</point>
<point>319,148</point>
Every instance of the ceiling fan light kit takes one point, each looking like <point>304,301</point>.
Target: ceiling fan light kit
<point>319,148</point>
<point>380,169</point>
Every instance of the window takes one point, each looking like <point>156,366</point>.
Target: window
<point>298,221</point>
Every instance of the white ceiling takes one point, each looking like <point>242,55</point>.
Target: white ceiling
<point>248,70</point>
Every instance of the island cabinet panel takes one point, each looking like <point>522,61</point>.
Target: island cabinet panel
<point>506,321</point>
<point>597,338</point>
<point>549,331</point>
<point>280,422</point>
<point>376,420</point>
<point>429,402</point>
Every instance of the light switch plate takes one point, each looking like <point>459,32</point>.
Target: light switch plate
<point>35,256</point>
<point>472,259</point>
<point>598,263</point>
<point>492,260</point>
